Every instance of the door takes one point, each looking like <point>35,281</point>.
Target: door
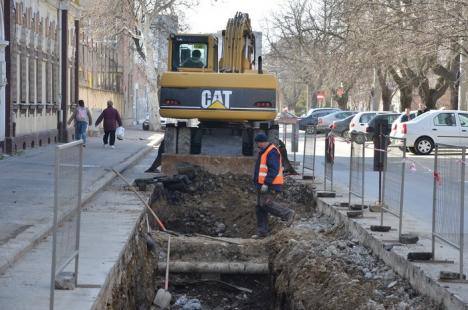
<point>463,118</point>
<point>445,129</point>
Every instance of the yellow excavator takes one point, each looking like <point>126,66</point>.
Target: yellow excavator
<point>227,92</point>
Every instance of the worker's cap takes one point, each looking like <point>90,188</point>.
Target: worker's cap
<point>261,137</point>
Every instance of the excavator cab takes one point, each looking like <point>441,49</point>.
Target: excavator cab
<point>193,53</point>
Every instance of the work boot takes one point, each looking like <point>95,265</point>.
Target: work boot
<point>259,236</point>
<point>288,222</point>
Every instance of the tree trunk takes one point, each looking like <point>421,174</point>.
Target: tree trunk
<point>386,91</point>
<point>406,98</point>
<point>454,96</point>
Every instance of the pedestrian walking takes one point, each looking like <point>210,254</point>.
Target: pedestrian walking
<point>111,119</point>
<point>268,179</point>
<point>82,118</point>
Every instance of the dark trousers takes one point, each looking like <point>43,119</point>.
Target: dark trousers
<point>157,162</point>
<point>107,134</point>
<point>265,206</point>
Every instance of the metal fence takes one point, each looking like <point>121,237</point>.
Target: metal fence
<point>393,179</point>
<point>329,162</point>
<point>448,198</point>
<point>67,212</point>
<point>308,155</point>
<point>356,169</point>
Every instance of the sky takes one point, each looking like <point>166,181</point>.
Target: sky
<point>211,15</point>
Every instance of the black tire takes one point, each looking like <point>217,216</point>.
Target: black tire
<point>345,134</point>
<point>412,150</point>
<point>424,146</point>
<point>247,142</point>
<point>183,140</point>
<point>196,142</point>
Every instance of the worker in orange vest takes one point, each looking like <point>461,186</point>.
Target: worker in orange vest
<point>269,179</point>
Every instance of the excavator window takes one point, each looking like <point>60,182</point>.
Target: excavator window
<point>193,55</point>
<point>189,52</point>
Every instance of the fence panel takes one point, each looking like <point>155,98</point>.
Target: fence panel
<point>356,169</point>
<point>308,155</point>
<point>448,198</point>
<point>67,212</point>
<point>393,179</point>
<point>329,161</point>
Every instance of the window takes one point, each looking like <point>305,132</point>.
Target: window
<point>445,119</point>
<point>365,118</point>
<point>193,55</point>
<point>463,119</point>
<point>392,118</point>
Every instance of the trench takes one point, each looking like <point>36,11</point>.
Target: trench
<point>214,264</point>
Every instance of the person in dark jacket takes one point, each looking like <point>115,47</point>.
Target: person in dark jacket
<point>406,116</point>
<point>268,179</point>
<point>111,119</point>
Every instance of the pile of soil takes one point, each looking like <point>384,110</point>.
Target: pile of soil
<point>318,265</point>
<point>221,205</point>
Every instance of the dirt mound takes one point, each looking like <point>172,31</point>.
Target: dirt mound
<point>220,205</point>
<point>317,265</point>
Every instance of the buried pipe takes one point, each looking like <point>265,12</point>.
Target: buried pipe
<point>216,267</point>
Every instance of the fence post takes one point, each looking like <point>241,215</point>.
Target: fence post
<point>434,199</point>
<point>462,210</point>
<point>78,210</point>
<point>54,230</point>
<point>304,152</point>
<point>402,191</point>
<point>350,172</point>
<point>363,171</point>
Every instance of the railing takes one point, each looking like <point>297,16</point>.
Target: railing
<point>67,207</point>
<point>308,155</point>
<point>393,186</point>
<point>329,162</point>
<point>449,198</point>
<point>356,170</point>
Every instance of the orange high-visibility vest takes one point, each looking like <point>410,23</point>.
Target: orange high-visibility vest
<point>263,170</point>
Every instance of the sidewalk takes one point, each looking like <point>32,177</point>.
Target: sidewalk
<point>26,187</point>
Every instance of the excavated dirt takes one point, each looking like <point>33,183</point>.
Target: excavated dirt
<point>314,264</point>
<point>221,205</point>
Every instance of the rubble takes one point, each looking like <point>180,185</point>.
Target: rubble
<point>329,270</point>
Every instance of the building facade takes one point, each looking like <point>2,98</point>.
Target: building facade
<point>41,71</point>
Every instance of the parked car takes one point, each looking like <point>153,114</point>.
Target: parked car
<point>434,127</point>
<point>286,117</point>
<point>312,118</point>
<point>341,127</point>
<point>324,122</point>
<point>413,115</point>
<point>320,109</point>
<point>372,126</point>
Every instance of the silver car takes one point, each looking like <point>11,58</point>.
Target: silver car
<point>324,122</point>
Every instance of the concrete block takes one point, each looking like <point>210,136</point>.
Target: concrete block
<point>408,239</point>
<point>65,281</point>
<point>380,228</point>
<point>326,194</point>
<point>356,206</point>
<point>354,214</point>
<point>423,256</point>
<point>447,276</point>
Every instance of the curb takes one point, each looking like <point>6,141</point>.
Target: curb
<point>43,230</point>
<point>417,277</point>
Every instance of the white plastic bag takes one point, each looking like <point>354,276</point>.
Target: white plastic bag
<point>120,132</point>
